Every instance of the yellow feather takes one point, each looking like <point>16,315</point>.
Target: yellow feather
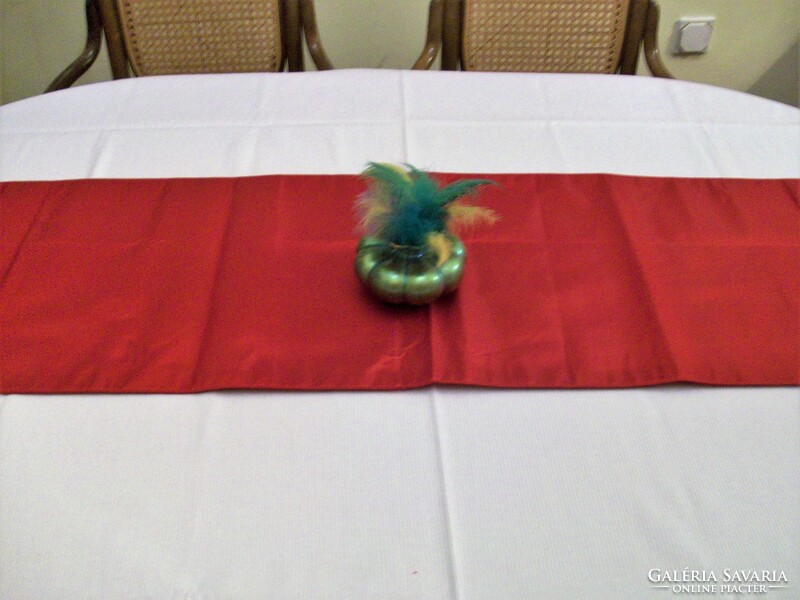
<point>398,169</point>
<point>374,212</point>
<point>440,244</point>
<point>467,215</point>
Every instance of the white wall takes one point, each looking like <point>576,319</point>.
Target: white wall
<point>39,38</point>
<point>754,46</point>
<point>750,38</point>
<point>372,33</point>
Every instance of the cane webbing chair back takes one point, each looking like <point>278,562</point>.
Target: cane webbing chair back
<point>201,36</point>
<point>164,37</point>
<point>562,36</point>
<point>558,36</point>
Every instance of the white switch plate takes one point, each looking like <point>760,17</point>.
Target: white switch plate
<point>692,35</point>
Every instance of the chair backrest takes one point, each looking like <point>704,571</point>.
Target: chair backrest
<point>564,36</point>
<point>165,37</point>
<point>160,37</point>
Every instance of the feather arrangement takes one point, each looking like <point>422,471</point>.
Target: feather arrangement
<point>406,207</point>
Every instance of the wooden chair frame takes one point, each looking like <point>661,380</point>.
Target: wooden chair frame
<point>445,28</point>
<point>298,21</point>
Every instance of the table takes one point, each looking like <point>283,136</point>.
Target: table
<point>439,492</point>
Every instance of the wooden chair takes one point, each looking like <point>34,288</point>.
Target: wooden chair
<point>159,37</point>
<point>561,36</point>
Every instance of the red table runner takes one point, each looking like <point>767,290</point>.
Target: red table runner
<point>185,285</point>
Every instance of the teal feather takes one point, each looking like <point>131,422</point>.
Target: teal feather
<point>456,190</point>
<point>418,206</point>
<point>396,184</point>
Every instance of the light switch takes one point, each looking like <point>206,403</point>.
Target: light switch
<point>692,35</point>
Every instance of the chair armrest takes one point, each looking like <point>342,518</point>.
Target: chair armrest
<point>313,40</point>
<point>433,37</point>
<point>651,53</point>
<point>81,64</point>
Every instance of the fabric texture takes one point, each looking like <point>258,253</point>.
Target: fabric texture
<point>184,285</point>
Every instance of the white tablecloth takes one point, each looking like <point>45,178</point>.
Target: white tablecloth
<point>435,493</point>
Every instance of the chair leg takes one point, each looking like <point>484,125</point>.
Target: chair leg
<point>115,44</point>
<point>651,52</point>
<point>634,34</point>
<point>311,33</point>
<point>292,34</point>
<point>81,64</point>
<point>433,37</point>
<point>451,34</point>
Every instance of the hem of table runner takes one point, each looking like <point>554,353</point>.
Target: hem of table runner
<point>288,387</point>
